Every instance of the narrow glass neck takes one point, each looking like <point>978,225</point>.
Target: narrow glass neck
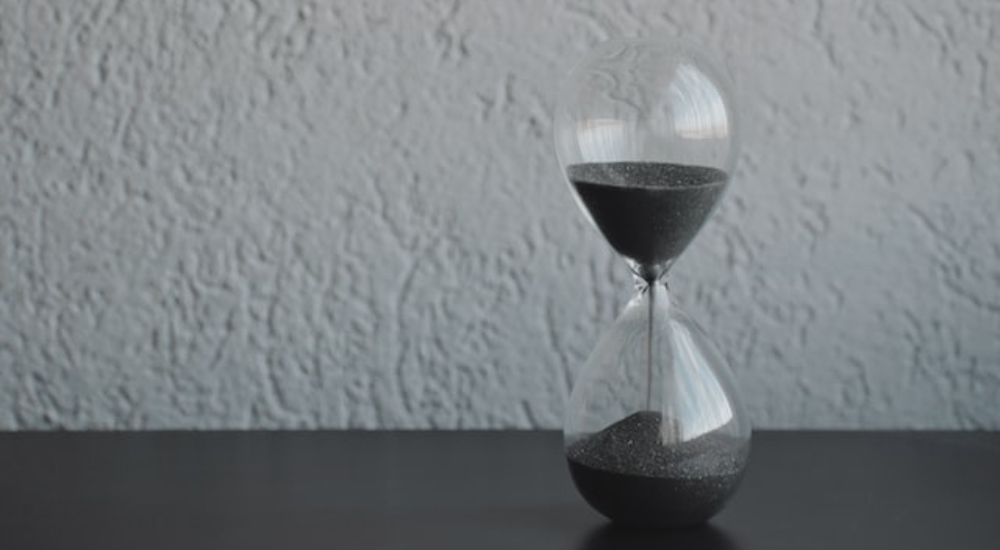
<point>649,273</point>
<point>649,278</point>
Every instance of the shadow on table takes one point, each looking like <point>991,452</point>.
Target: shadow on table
<point>703,537</point>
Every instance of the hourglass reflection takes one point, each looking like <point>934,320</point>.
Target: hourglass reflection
<point>655,434</point>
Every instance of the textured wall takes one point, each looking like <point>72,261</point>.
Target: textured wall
<point>288,214</point>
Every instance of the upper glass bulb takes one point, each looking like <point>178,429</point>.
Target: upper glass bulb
<point>646,132</point>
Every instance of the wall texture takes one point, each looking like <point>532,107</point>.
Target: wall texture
<point>348,214</point>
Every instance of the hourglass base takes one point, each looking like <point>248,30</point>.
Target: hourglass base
<point>627,473</point>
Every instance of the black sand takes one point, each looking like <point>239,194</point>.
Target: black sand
<point>648,211</point>
<point>626,473</point>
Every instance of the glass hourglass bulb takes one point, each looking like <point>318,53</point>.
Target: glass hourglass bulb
<point>655,434</point>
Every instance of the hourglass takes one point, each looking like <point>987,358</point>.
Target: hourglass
<point>654,433</point>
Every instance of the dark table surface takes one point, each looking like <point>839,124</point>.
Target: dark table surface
<point>476,490</point>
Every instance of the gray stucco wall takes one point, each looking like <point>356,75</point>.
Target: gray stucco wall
<point>333,214</point>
